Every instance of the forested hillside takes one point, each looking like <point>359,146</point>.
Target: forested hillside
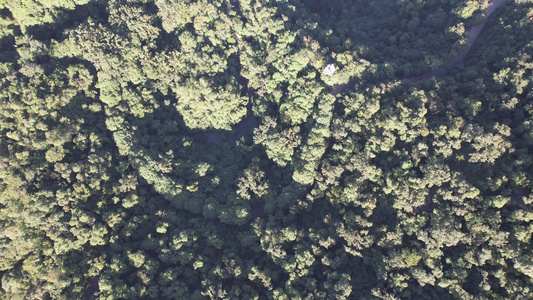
<point>266,149</point>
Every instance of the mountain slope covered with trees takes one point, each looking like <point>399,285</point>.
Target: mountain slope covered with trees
<point>195,149</point>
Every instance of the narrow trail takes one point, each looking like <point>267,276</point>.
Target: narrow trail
<point>249,123</point>
<point>473,33</point>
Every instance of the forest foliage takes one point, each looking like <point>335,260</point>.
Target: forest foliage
<point>195,149</point>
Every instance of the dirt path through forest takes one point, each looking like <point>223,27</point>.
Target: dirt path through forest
<point>474,33</point>
<point>249,123</point>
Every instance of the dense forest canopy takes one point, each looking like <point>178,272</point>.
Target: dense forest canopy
<point>266,149</point>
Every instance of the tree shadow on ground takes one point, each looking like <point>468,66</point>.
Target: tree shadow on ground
<point>69,19</point>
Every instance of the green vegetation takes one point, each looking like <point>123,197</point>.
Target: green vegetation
<point>179,149</point>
